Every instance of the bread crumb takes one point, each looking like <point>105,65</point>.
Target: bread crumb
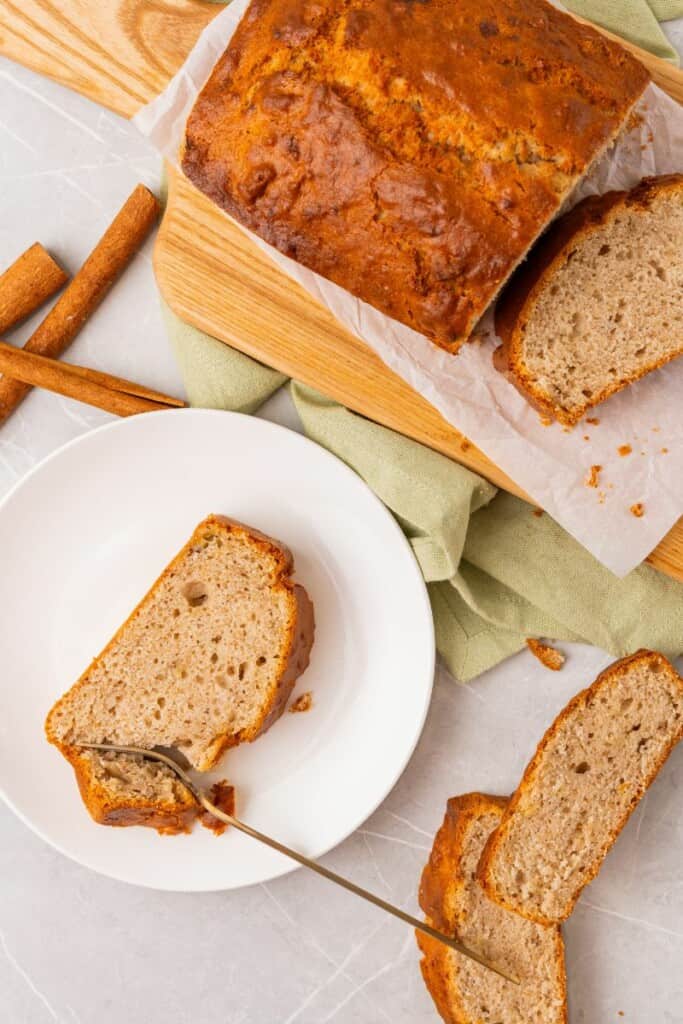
<point>547,655</point>
<point>586,437</point>
<point>638,510</point>
<point>223,796</point>
<point>537,512</point>
<point>656,430</point>
<point>465,445</point>
<point>593,476</point>
<point>302,703</point>
<point>664,451</point>
<point>593,420</point>
<point>624,449</point>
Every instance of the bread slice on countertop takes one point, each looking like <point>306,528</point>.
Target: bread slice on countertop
<point>590,770</point>
<point>206,661</point>
<point>450,895</point>
<point>599,302</point>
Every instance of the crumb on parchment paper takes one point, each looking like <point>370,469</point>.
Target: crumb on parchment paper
<point>304,702</point>
<point>637,510</point>
<point>593,476</point>
<point>547,655</point>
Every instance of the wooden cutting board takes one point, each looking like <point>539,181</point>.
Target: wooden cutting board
<point>121,53</point>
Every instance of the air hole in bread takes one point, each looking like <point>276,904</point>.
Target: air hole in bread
<point>195,593</point>
<point>582,768</point>
<point>214,658</point>
<point>242,670</point>
<point>260,660</point>
<point>604,249</point>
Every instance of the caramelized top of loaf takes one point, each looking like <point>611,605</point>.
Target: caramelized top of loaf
<point>409,150</point>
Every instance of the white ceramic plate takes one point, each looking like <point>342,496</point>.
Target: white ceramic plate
<point>85,534</point>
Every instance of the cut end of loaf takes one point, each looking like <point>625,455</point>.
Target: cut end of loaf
<point>590,770</point>
<point>600,303</point>
<point>454,902</point>
<point>207,660</point>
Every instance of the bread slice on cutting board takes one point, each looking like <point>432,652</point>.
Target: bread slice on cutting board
<point>450,895</point>
<point>206,661</point>
<point>590,770</point>
<point>599,302</point>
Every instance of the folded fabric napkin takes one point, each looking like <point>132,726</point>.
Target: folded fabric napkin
<point>497,572</point>
<point>635,20</point>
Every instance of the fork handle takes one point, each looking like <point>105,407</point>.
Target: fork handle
<point>376,901</point>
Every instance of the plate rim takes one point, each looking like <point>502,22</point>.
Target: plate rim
<point>288,867</point>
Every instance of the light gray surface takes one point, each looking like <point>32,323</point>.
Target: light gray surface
<point>75,947</point>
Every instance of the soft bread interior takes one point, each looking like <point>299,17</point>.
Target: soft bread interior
<point>613,311</point>
<point>532,952</point>
<point>592,767</point>
<point>197,664</point>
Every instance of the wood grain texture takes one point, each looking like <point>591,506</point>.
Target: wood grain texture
<point>121,53</point>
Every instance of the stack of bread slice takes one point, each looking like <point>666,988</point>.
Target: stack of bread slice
<point>504,874</point>
<point>206,661</point>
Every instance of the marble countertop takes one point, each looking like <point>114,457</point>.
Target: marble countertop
<point>76,947</point>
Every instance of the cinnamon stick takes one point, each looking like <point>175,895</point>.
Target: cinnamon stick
<point>113,394</point>
<point>111,255</point>
<point>27,284</point>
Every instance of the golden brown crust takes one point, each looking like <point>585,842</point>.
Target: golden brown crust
<point>485,872</point>
<point>297,653</point>
<point>412,173</point>
<point>516,304</point>
<point>167,818</point>
<point>440,877</point>
<point>547,655</point>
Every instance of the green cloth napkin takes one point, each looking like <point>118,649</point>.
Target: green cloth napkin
<point>496,573</point>
<point>635,20</point>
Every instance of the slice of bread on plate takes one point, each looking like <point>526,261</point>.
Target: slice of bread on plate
<point>452,898</point>
<point>206,661</point>
<point>599,302</point>
<point>590,770</point>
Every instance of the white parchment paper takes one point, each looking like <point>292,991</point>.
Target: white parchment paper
<point>549,462</point>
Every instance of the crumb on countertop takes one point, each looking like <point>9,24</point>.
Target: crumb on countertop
<point>586,437</point>
<point>638,510</point>
<point>664,451</point>
<point>547,655</point>
<point>656,430</point>
<point>624,449</point>
<point>593,476</point>
<point>593,420</point>
<point>304,702</point>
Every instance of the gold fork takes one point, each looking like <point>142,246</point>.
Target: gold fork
<point>331,876</point>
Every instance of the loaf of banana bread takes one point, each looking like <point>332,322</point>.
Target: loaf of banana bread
<point>408,150</point>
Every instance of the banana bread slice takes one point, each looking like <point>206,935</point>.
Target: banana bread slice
<point>207,660</point>
<point>453,900</point>
<point>599,303</point>
<point>410,152</point>
<point>590,770</point>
